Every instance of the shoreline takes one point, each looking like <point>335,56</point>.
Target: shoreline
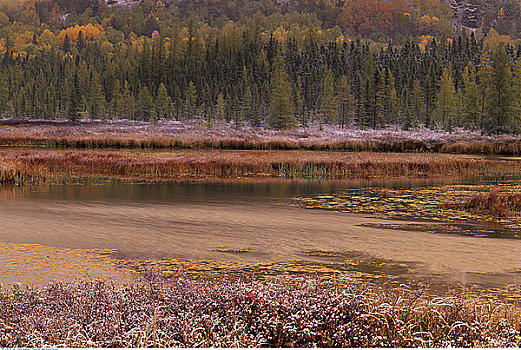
<point>174,135</point>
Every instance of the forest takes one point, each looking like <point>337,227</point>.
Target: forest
<point>280,64</point>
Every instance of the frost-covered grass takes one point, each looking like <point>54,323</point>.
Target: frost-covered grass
<point>219,135</point>
<point>286,311</point>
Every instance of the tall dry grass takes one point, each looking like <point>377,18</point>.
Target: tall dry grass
<point>281,312</point>
<point>175,135</point>
<point>38,165</point>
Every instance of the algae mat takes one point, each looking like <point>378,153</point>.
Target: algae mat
<point>441,204</point>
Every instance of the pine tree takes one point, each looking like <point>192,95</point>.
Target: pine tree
<point>74,109</point>
<point>328,104</point>
<point>220,108</point>
<point>484,78</point>
<point>390,103</point>
<point>281,110</point>
<point>162,103</point>
<point>471,104</point>
<point>247,104</point>
<point>128,106</point>
<point>500,111</point>
<point>4,95</point>
<point>345,102</point>
<point>299,106</point>
<point>117,104</point>
<point>145,104</point>
<point>416,103</point>
<point>97,97</point>
<point>446,101</point>
<point>190,100</point>
<point>375,98</point>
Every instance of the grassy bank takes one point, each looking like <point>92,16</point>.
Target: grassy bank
<point>287,311</point>
<point>36,166</point>
<point>177,135</point>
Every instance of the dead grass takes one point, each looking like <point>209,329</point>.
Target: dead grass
<point>280,312</point>
<point>175,135</point>
<point>22,166</point>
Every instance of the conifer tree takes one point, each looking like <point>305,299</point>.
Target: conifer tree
<point>416,102</point>
<point>162,102</point>
<point>117,104</point>
<point>220,108</point>
<point>145,104</point>
<point>281,110</point>
<point>471,104</point>
<point>484,78</point>
<point>500,111</point>
<point>345,102</point>
<point>446,100</point>
<point>190,100</point>
<point>97,97</point>
<point>247,104</point>
<point>328,104</point>
<point>74,109</point>
<point>299,106</point>
<point>4,95</point>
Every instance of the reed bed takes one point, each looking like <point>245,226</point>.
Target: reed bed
<point>281,312</point>
<point>177,135</point>
<point>27,166</point>
<point>496,204</point>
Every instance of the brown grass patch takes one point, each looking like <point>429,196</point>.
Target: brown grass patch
<point>36,166</point>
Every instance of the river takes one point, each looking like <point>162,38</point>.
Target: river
<point>252,222</point>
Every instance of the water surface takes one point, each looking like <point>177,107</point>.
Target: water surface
<point>245,222</point>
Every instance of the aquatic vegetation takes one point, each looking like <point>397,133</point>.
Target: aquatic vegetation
<point>498,203</point>
<point>32,165</point>
<point>285,311</point>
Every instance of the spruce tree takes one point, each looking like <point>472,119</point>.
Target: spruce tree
<point>117,104</point>
<point>145,104</point>
<point>471,104</point>
<point>247,105</point>
<point>484,78</point>
<point>190,100</point>
<point>281,110</point>
<point>500,111</point>
<point>97,97</point>
<point>4,95</point>
<point>328,104</point>
<point>74,109</point>
<point>446,100</point>
<point>220,108</point>
<point>162,102</point>
<point>345,102</point>
<point>416,103</point>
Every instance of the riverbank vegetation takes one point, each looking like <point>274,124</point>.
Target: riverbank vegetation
<point>32,166</point>
<point>225,136</point>
<point>280,312</point>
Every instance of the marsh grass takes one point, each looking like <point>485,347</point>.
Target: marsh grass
<point>496,204</point>
<point>35,166</point>
<point>245,312</point>
<point>223,136</point>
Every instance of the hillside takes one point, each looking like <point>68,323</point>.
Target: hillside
<point>280,64</point>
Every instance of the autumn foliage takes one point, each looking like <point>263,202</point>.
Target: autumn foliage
<point>370,16</point>
<point>90,32</point>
